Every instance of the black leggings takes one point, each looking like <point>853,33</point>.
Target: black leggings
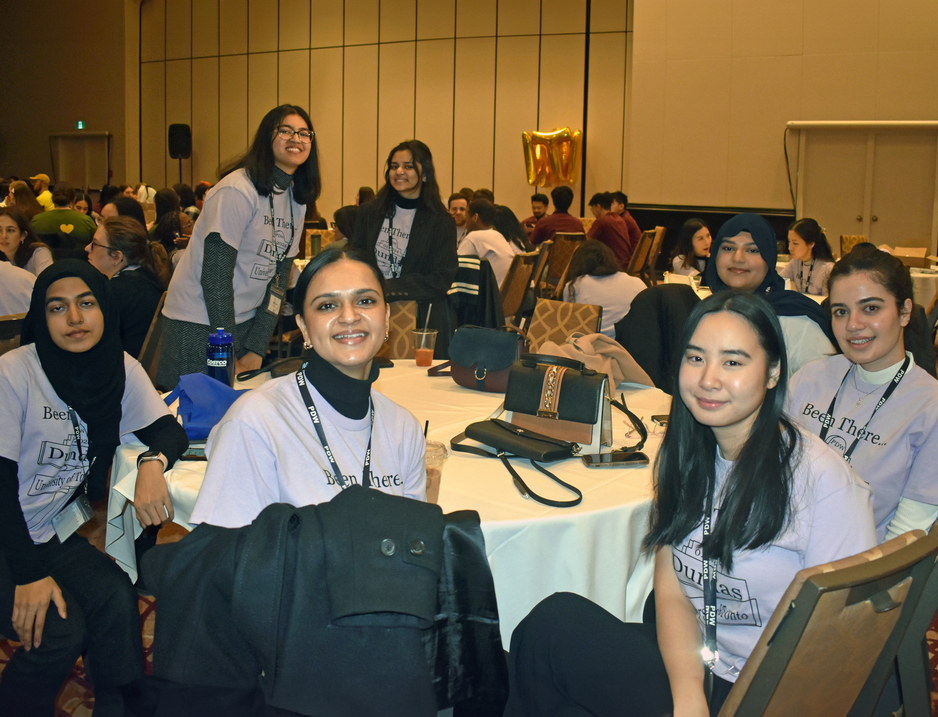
<point>571,657</point>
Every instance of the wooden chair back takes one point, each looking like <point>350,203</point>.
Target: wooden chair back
<point>558,320</point>
<point>517,281</point>
<point>831,643</point>
<point>640,256</point>
<point>649,274</point>
<point>565,243</point>
<point>149,356</point>
<point>11,326</point>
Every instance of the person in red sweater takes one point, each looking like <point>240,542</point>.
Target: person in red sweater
<point>611,229</point>
<point>539,203</point>
<point>620,206</point>
<point>560,220</point>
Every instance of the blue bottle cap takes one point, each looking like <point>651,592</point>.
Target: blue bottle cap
<point>219,338</point>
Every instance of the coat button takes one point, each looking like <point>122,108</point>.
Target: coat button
<point>417,547</point>
<point>388,547</point>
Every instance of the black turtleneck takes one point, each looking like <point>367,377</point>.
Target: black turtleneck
<point>405,203</point>
<point>349,396</point>
<point>282,180</point>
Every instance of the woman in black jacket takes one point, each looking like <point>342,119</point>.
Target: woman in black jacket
<point>412,237</point>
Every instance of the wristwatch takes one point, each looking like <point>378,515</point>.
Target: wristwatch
<point>152,456</point>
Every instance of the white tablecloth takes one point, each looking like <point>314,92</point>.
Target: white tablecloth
<point>593,549</point>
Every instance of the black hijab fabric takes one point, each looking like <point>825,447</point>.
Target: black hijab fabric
<point>772,288</point>
<point>91,382</point>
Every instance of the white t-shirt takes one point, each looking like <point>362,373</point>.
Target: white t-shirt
<point>40,259</point>
<point>38,433</point>
<point>831,519</point>
<point>613,292</point>
<point>241,216</point>
<point>898,455</point>
<point>396,229</point>
<point>265,450</point>
<point>808,278</point>
<point>677,266</point>
<point>16,288</point>
<point>804,342</point>
<point>490,244</point>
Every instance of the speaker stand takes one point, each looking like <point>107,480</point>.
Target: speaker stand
<point>180,170</point>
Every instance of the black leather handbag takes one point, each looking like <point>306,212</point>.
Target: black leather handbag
<point>481,358</point>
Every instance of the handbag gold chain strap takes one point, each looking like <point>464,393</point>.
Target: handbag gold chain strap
<point>550,392</point>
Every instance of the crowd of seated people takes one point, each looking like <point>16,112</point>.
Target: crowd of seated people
<point>810,431</point>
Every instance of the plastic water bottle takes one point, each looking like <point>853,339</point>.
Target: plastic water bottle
<point>219,362</point>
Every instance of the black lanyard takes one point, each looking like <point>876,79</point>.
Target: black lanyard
<point>395,273</point>
<point>710,652</point>
<point>81,455</point>
<point>273,228</point>
<point>829,418</point>
<point>805,283</point>
<point>317,424</point>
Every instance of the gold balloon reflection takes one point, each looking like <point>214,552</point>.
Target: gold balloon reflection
<point>552,158</point>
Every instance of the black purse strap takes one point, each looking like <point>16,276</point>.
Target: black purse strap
<point>534,359</point>
<point>438,369</point>
<point>456,444</point>
<point>636,422</point>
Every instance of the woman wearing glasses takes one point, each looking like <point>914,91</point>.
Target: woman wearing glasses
<point>235,270</point>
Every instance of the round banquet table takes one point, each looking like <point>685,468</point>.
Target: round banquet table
<point>534,550</point>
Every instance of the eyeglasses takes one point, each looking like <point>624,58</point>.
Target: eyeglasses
<point>106,248</point>
<point>302,135</point>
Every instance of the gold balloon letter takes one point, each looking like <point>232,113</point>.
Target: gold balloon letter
<point>552,158</point>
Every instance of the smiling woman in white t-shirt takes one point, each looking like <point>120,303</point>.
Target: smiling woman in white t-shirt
<point>267,449</point>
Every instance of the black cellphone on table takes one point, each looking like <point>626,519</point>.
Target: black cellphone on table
<point>616,459</point>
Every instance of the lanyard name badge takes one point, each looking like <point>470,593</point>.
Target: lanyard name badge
<point>278,293</point>
<point>829,417</point>
<point>317,424</point>
<point>709,574</point>
<point>78,512</point>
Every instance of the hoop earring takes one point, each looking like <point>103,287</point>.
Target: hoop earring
<point>307,345</point>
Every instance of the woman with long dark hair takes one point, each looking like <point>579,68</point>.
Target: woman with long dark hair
<point>234,272</point>
<point>19,243</point>
<point>736,485</point>
<point>873,404</point>
<point>68,397</point>
<point>24,199</point>
<point>692,250</point>
<point>412,237</point>
<point>138,270</point>
<point>267,450</point>
<point>811,257</point>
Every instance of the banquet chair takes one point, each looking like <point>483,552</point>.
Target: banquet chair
<point>565,244</point>
<point>637,262</point>
<point>848,241</point>
<point>474,294</point>
<point>832,641</point>
<point>10,327</point>
<point>648,273</point>
<point>149,356</point>
<point>516,284</point>
<point>400,343</point>
<point>558,320</point>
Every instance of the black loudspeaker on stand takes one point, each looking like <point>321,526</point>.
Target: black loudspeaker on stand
<point>180,144</point>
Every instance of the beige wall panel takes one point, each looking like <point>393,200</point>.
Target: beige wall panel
<point>204,120</point>
<point>698,30</point>
<point>515,112</point>
<point>325,92</point>
<point>908,25</point>
<point>841,26</point>
<point>475,18</point>
<point>262,87</point>
<point>651,31</point>
<point>263,25</point>
<point>606,107</point>
<point>396,77</point>
<point>837,87</point>
<point>205,28</point>
<point>360,127</point>
<point>179,25</point>
<point>153,124</point>
<point>398,20</point>
<point>696,144</point>
<point>609,15</point>
<point>758,113</point>
<point>834,180</point>
<point>294,78</point>
<point>294,24</point>
<point>903,188</point>
<point>326,23</point>
<point>361,21</point>
<point>433,123</point>
<point>559,17</point>
<point>436,19</point>
<point>232,107</point>
<point>519,17</point>
<point>178,111</point>
<point>153,30</point>
<point>905,86</point>
<point>232,26</point>
<point>767,27</point>
<point>473,125</point>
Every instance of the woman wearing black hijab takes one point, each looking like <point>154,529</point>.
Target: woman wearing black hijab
<point>72,393</point>
<point>743,258</point>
